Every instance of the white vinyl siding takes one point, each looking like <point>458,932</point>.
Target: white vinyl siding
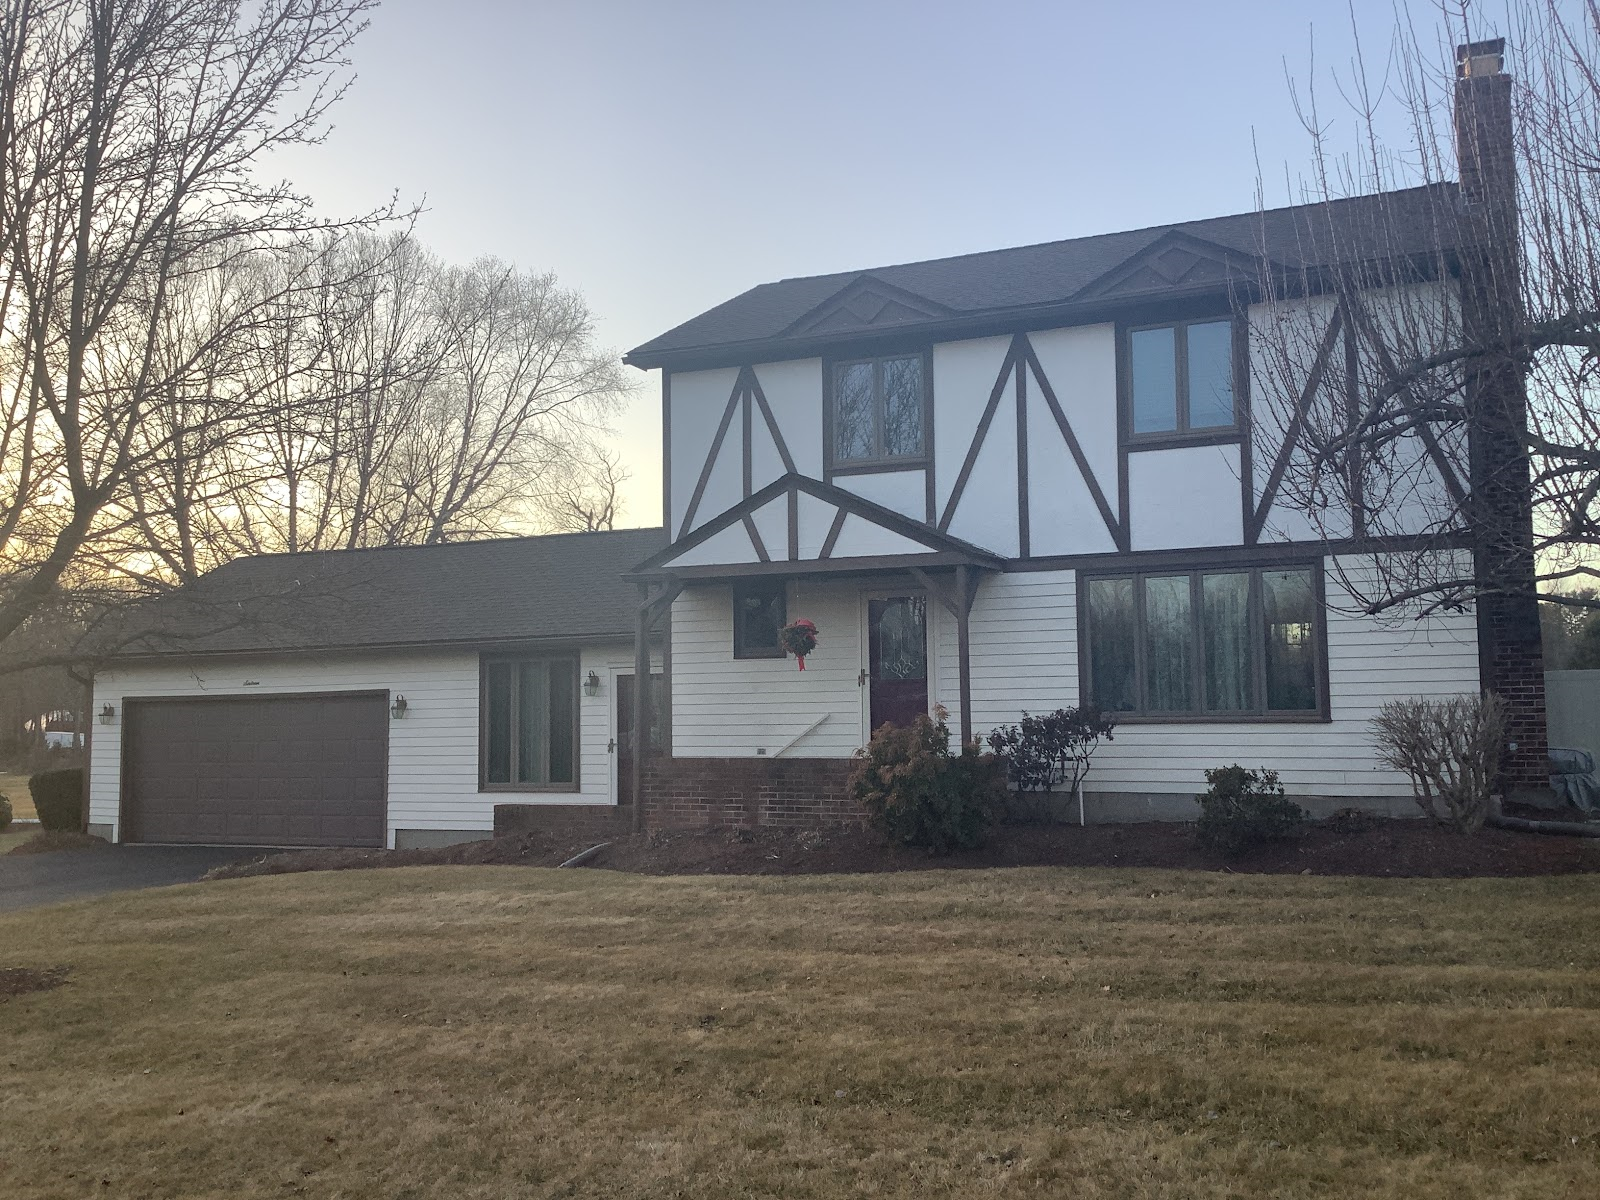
<point>433,750</point>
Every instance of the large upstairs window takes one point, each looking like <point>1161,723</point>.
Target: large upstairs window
<point>879,410</point>
<point>1180,379</point>
<point>1225,645</point>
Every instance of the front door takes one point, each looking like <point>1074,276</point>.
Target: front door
<point>625,740</point>
<point>897,659</point>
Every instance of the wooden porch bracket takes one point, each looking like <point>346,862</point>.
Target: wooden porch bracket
<point>654,603</point>
<point>957,600</point>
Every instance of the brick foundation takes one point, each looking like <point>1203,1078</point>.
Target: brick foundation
<point>578,821</point>
<point>791,793</point>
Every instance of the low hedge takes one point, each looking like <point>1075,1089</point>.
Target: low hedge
<point>58,797</point>
<point>5,812</point>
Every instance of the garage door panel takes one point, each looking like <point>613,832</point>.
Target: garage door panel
<point>280,770</point>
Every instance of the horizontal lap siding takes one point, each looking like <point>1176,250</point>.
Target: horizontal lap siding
<point>728,707</point>
<point>433,751</point>
<point>1024,658</point>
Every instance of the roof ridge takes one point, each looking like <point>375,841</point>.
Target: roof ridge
<point>1160,227</point>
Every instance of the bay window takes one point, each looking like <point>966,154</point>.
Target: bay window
<point>1242,643</point>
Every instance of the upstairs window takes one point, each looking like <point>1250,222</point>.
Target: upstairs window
<point>1224,645</point>
<point>879,410</point>
<point>1180,378</point>
<point>758,615</point>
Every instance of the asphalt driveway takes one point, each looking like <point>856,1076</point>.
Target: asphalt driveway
<point>29,880</point>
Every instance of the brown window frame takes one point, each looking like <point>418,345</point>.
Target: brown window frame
<point>1257,715</point>
<point>878,461</point>
<point>775,587</point>
<point>484,663</point>
<point>1184,434</point>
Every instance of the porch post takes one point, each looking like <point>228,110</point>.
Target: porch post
<point>964,647</point>
<point>641,704</point>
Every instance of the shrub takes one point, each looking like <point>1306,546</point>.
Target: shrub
<point>5,812</point>
<point>1042,752</point>
<point>1243,808</point>
<point>1450,749</point>
<point>58,798</point>
<point>919,794</point>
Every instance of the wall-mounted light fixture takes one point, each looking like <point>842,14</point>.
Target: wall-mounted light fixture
<point>591,685</point>
<point>398,708</point>
<point>108,713</point>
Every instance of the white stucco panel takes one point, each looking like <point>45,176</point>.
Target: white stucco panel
<point>1081,365</point>
<point>859,537</point>
<point>695,408</point>
<point>964,375</point>
<point>1188,496</point>
<point>904,492</point>
<point>730,545</point>
<point>794,393</point>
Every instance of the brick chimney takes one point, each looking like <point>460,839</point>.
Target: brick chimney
<point>1510,652</point>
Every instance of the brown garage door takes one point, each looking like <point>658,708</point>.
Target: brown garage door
<point>257,770</point>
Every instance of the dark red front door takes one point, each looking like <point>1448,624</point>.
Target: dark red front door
<point>897,662</point>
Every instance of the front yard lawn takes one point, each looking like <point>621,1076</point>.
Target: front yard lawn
<point>496,1032</point>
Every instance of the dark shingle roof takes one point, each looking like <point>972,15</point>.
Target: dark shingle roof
<point>1359,229</point>
<point>563,586</point>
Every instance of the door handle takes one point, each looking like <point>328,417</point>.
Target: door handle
<point>861,679</point>
<point>611,746</point>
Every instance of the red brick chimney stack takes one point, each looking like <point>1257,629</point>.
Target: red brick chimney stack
<point>1510,653</point>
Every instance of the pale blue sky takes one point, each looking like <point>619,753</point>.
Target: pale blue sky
<point>662,157</point>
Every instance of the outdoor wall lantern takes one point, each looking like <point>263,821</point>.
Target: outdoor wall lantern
<point>591,685</point>
<point>398,708</point>
<point>107,714</point>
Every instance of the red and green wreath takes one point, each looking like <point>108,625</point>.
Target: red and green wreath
<point>799,638</point>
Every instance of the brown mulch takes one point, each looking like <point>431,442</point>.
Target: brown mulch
<point>48,841</point>
<point>19,981</point>
<point>1347,845</point>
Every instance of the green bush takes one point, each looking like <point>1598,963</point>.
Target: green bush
<point>1244,808</point>
<point>58,798</point>
<point>5,812</point>
<point>919,794</point>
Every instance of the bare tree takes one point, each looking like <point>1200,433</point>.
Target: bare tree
<point>581,495</point>
<point>131,132</point>
<point>1442,382</point>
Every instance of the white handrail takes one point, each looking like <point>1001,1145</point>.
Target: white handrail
<point>807,732</point>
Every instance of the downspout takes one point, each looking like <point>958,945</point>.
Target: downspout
<point>1526,825</point>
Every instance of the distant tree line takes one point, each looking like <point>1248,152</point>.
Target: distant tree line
<point>194,365</point>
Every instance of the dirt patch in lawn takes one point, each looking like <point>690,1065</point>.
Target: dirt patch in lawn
<point>1352,845</point>
<point>48,841</point>
<point>19,981</point>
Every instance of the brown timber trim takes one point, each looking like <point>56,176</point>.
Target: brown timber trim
<point>756,543</point>
<point>1023,543</point>
<point>666,450</point>
<point>863,564</point>
<point>754,386</point>
<point>1243,405</point>
<point>1119,535</point>
<point>829,542</point>
<point>794,523</point>
<point>711,460</point>
<point>746,470</point>
<point>1291,436</point>
<point>1007,365</point>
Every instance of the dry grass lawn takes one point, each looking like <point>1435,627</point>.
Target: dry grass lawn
<point>505,1032</point>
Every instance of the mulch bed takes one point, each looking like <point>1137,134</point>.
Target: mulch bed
<point>48,841</point>
<point>1352,845</point>
<point>19,981</point>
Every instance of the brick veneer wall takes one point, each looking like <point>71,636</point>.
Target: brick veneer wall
<point>793,793</point>
<point>599,821</point>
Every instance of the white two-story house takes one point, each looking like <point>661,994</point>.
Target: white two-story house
<point>1048,476</point>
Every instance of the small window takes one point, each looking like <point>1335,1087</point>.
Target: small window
<point>879,408</point>
<point>1223,645</point>
<point>529,729</point>
<point>758,615</point>
<point>1180,379</point>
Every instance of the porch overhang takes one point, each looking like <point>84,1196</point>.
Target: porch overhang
<point>817,531</point>
<point>800,527</point>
